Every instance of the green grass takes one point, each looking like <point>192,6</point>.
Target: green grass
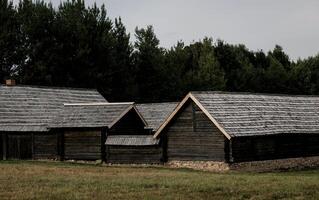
<point>58,180</point>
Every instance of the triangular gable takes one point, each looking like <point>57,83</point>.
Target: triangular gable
<point>132,107</point>
<point>180,105</point>
<point>88,115</point>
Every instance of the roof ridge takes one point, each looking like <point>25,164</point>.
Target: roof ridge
<point>253,93</point>
<point>49,87</point>
<point>157,103</point>
<point>98,103</point>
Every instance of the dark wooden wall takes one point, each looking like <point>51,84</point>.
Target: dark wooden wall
<point>19,146</point>
<point>82,144</point>
<point>1,146</point>
<point>45,146</point>
<point>191,136</point>
<point>134,154</point>
<point>274,147</point>
<point>130,124</point>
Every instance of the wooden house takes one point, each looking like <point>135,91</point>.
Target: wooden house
<point>26,111</point>
<point>236,127</point>
<point>140,147</point>
<point>84,128</point>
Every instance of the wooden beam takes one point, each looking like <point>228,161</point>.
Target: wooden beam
<point>231,158</point>
<point>140,115</point>
<point>120,116</point>
<point>171,116</point>
<point>32,145</point>
<point>103,145</point>
<point>60,144</point>
<point>4,146</point>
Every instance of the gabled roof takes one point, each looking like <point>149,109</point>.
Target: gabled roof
<point>156,113</point>
<point>247,114</point>
<point>92,115</point>
<point>131,140</point>
<point>31,108</point>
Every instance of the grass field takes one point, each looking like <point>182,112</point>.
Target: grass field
<point>54,180</point>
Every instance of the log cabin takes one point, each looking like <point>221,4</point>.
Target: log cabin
<point>140,147</point>
<point>26,111</point>
<point>237,127</point>
<point>132,142</point>
<point>85,128</point>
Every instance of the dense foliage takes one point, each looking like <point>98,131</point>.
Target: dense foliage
<point>79,46</point>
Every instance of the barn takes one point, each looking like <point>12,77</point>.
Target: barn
<point>26,111</point>
<point>139,146</point>
<point>237,127</point>
<point>85,127</point>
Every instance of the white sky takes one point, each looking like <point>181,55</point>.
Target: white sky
<point>259,24</point>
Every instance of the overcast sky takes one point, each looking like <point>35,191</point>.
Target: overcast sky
<point>259,24</point>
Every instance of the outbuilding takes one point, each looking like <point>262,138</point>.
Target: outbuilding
<point>26,111</point>
<point>141,147</point>
<point>84,128</point>
<point>138,146</point>
<point>236,127</point>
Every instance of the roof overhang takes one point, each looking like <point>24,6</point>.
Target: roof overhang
<point>131,107</point>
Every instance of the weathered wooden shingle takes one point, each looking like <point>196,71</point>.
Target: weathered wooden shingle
<point>245,114</point>
<point>90,115</point>
<point>131,140</point>
<point>156,113</point>
<point>31,108</point>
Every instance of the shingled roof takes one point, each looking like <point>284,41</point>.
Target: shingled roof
<point>31,108</point>
<point>131,140</point>
<point>91,115</point>
<point>247,114</point>
<point>156,113</point>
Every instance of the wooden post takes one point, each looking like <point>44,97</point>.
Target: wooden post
<point>103,145</point>
<point>164,142</point>
<point>60,144</point>
<point>4,146</point>
<point>32,147</point>
<point>231,158</point>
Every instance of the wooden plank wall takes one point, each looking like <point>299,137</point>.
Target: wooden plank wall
<point>274,147</point>
<point>19,146</point>
<point>134,154</point>
<point>82,144</point>
<point>192,136</point>
<point>130,124</point>
<point>1,147</point>
<point>45,146</point>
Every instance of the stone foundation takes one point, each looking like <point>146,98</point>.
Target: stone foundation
<point>254,166</point>
<point>199,165</point>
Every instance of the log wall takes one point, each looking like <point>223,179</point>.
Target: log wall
<point>19,146</point>
<point>1,147</point>
<point>45,146</point>
<point>191,136</point>
<point>274,147</point>
<point>134,154</point>
<point>82,144</point>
